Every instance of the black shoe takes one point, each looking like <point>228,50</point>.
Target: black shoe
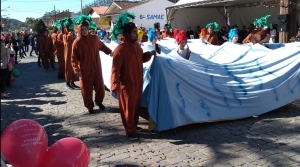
<point>106,88</point>
<point>91,111</point>
<point>101,106</point>
<point>54,69</point>
<point>68,86</point>
<point>139,129</point>
<point>133,137</point>
<point>74,86</point>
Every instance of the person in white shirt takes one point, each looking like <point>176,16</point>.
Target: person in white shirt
<point>273,34</point>
<point>183,51</point>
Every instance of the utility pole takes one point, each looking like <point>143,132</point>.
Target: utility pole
<point>54,13</point>
<point>81,6</point>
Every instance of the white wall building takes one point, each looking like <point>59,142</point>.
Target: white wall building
<point>147,12</point>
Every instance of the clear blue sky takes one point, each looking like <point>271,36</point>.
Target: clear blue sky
<point>20,9</point>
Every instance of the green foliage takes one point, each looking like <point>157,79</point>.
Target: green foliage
<point>37,25</point>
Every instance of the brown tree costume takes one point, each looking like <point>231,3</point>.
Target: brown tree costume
<point>256,36</point>
<point>86,60</point>
<point>60,55</point>
<point>46,50</point>
<point>68,39</point>
<point>127,78</point>
<point>212,39</point>
<point>59,52</point>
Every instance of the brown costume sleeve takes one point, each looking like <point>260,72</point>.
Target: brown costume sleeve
<point>104,48</point>
<point>247,39</point>
<point>146,56</point>
<point>60,38</point>
<point>41,46</point>
<point>115,71</point>
<point>74,59</point>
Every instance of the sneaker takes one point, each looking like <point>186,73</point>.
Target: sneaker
<point>91,111</point>
<point>133,137</point>
<point>68,86</point>
<point>101,106</point>
<point>73,85</point>
<point>139,129</point>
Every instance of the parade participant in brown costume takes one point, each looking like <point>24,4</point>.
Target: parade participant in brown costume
<point>86,63</point>
<point>211,37</point>
<point>259,34</point>
<point>46,50</point>
<point>68,39</point>
<point>167,32</point>
<point>60,55</point>
<point>127,73</point>
<point>57,41</point>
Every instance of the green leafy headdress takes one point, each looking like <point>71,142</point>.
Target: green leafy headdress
<point>58,24</point>
<point>123,19</point>
<point>86,20</point>
<point>168,25</point>
<point>214,25</point>
<point>262,22</point>
<point>67,22</point>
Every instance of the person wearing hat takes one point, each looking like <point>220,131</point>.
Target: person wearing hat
<point>46,50</point>
<point>210,36</point>
<point>260,33</point>
<point>167,32</point>
<point>233,36</point>
<point>127,73</point>
<point>182,42</point>
<point>57,41</point>
<point>59,46</point>
<point>152,39</point>
<point>68,39</point>
<point>86,63</point>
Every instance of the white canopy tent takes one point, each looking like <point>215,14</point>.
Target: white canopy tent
<point>235,12</point>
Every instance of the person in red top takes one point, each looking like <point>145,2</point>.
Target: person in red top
<point>86,63</point>
<point>127,73</point>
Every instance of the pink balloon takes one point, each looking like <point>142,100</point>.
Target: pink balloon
<point>24,143</point>
<point>12,79</point>
<point>67,152</point>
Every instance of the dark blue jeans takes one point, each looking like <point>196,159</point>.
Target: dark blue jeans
<point>35,50</point>
<point>22,51</point>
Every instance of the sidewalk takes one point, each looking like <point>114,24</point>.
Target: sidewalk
<point>272,139</point>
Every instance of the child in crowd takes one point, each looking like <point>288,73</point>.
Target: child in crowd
<point>183,51</point>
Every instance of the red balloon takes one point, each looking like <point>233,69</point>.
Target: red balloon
<point>67,152</point>
<point>24,143</point>
<point>12,79</point>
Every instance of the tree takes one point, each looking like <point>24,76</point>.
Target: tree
<point>37,25</point>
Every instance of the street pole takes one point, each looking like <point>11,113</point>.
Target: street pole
<point>81,6</point>
<point>54,13</point>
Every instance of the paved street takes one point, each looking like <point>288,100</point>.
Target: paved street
<point>268,140</point>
